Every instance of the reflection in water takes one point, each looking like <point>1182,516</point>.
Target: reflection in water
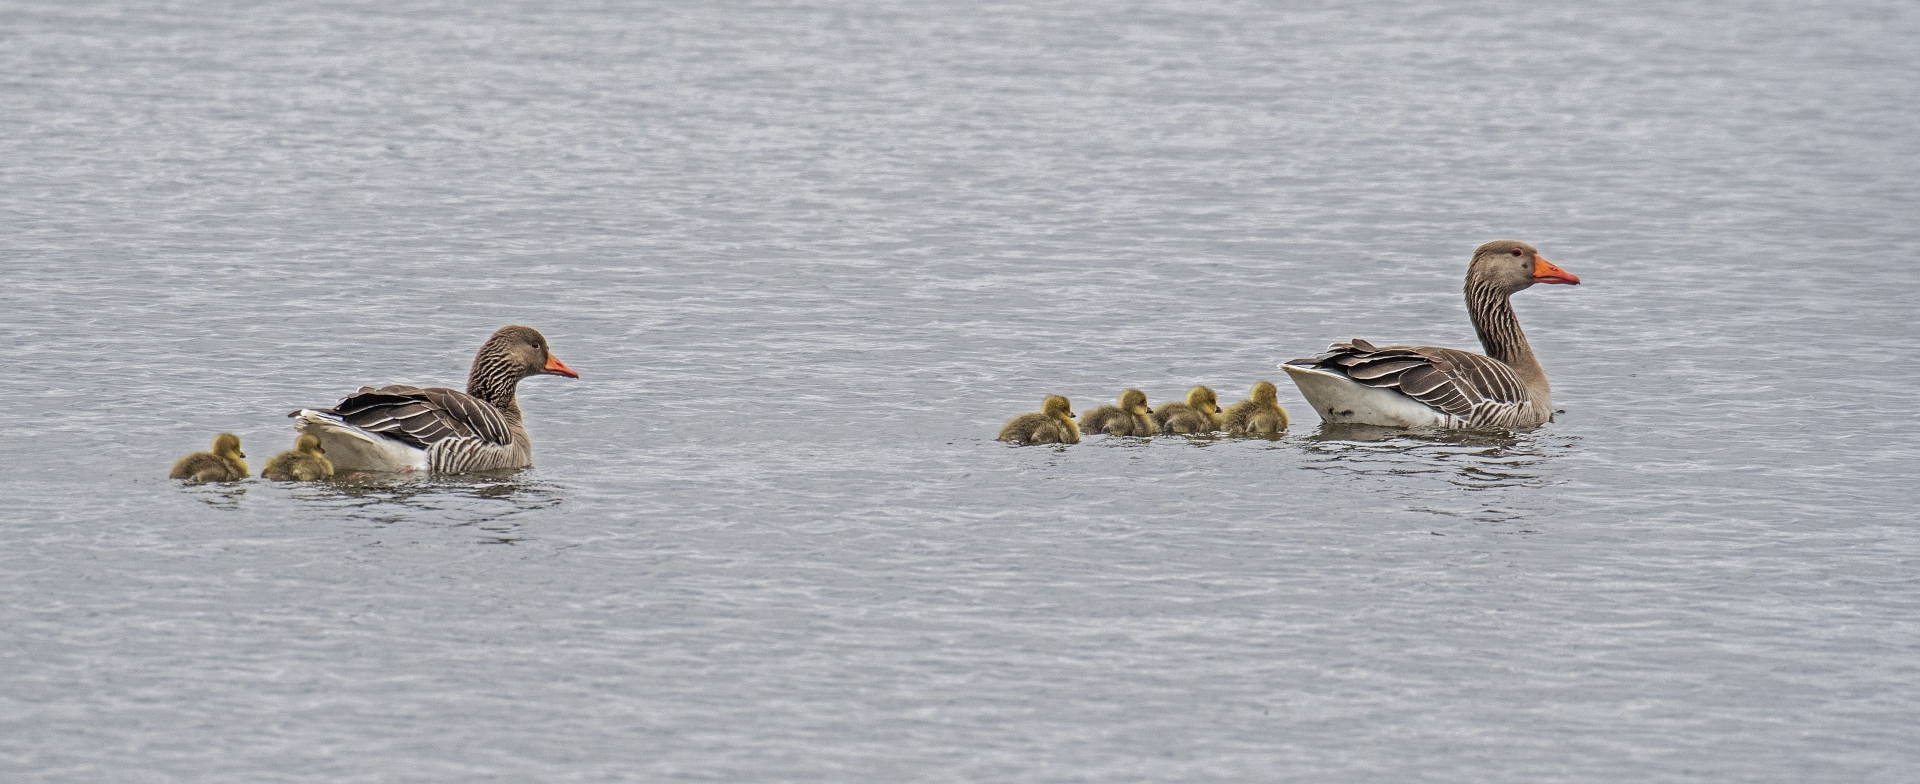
<point>221,495</point>
<point>490,502</point>
<point>1473,460</point>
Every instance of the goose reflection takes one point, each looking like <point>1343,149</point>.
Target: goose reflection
<point>491,502</point>
<point>1473,459</point>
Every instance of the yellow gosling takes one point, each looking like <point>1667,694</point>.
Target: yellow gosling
<point>1259,414</point>
<point>1130,418</point>
<point>305,462</point>
<point>223,464</point>
<point>1200,414</point>
<point>1053,425</point>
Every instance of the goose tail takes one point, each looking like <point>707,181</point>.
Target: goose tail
<point>353,449</point>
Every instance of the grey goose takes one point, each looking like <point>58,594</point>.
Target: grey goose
<point>403,429</point>
<point>1426,386</point>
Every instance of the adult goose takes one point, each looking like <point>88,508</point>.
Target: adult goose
<point>1424,386</point>
<point>404,429</point>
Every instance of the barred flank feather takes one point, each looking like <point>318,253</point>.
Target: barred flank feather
<point>1471,390</point>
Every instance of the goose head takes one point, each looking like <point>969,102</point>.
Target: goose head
<point>1057,407</point>
<point>1134,401</point>
<point>1264,394</point>
<point>227,445</point>
<point>517,352</point>
<point>1511,265</point>
<point>1203,399</point>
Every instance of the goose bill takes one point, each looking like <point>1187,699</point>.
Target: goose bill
<point>1545,272</point>
<point>557,368</point>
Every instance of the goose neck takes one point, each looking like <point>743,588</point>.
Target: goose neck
<point>1499,329</point>
<point>495,383</point>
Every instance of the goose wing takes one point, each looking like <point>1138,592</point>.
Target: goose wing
<point>422,417</point>
<point>1459,383</point>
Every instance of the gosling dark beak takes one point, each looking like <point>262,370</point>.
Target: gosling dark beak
<point>1545,272</point>
<point>242,454</point>
<point>557,368</point>
<point>1149,410</point>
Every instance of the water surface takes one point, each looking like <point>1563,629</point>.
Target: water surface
<point>808,257</point>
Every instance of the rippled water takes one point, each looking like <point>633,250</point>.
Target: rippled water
<point>807,258</point>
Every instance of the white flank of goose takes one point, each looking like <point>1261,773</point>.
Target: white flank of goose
<point>403,429</point>
<point>1425,386</point>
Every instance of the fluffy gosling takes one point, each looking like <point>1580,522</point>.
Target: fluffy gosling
<point>223,464</point>
<point>1053,425</point>
<point>1130,418</point>
<point>1200,414</point>
<point>1260,414</point>
<point>305,462</point>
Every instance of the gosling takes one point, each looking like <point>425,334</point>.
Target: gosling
<point>305,462</point>
<point>1259,415</point>
<point>1130,418</point>
<point>1200,414</point>
<point>223,464</point>
<point>1053,425</point>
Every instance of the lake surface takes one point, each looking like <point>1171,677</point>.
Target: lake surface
<point>807,258</point>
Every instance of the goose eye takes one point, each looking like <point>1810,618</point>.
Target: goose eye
<point>1516,252</point>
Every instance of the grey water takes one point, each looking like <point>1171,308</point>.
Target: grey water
<point>808,256</point>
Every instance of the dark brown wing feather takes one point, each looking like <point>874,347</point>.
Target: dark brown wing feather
<point>421,417</point>
<point>1446,380</point>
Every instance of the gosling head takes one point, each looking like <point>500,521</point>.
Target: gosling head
<point>1134,401</point>
<point>1057,406</point>
<point>1265,394</point>
<point>1203,398</point>
<point>227,445</point>
<point>309,445</point>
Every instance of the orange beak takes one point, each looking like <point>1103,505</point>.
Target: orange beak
<point>557,368</point>
<point>1545,272</point>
